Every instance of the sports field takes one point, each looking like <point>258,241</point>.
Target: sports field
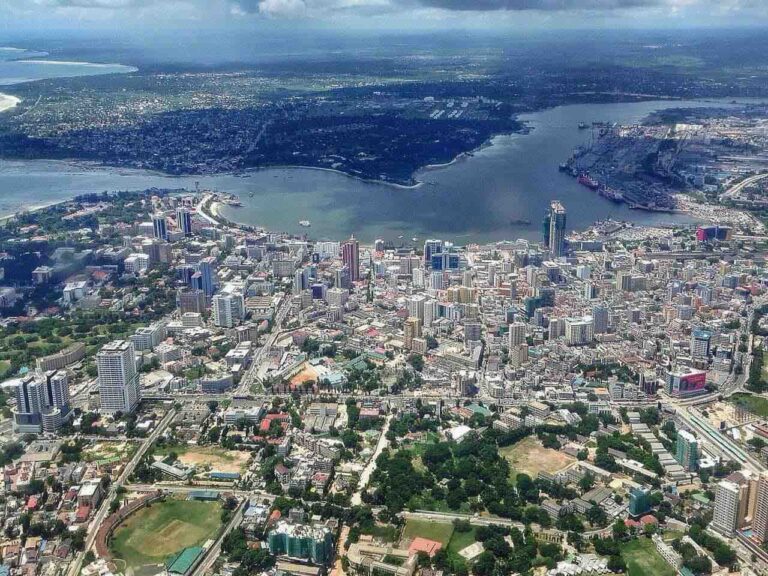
<point>531,457</point>
<point>154,533</point>
<point>642,559</point>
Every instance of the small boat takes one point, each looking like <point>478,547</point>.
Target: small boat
<point>305,223</point>
<point>583,125</point>
<point>251,194</point>
<point>563,167</point>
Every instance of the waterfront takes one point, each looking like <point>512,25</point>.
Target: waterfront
<point>476,198</point>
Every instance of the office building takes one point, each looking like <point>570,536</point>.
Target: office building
<point>118,378</point>
<point>700,343</point>
<point>639,502</point>
<point>432,247</point>
<point>601,314</point>
<point>516,334</point>
<point>207,280</point>
<point>554,229</point>
<point>687,453</point>
<point>42,402</point>
<point>160,227</point>
<point>184,221</point>
<point>350,256</point>
<point>190,301</point>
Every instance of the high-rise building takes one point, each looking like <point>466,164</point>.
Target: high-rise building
<point>579,331</point>
<point>601,314</point>
<point>190,301</point>
<point>207,269</point>
<point>118,378</point>
<point>160,227</point>
<point>687,453</point>
<point>728,496</point>
<point>700,341</point>
<point>42,402</point>
<point>516,334</point>
<point>760,522</point>
<point>411,330</point>
<point>301,541</point>
<point>555,234</point>
<point>350,255</point>
<point>184,220</point>
<point>639,502</point>
<point>228,309</point>
<point>431,247</point>
<point>472,332</point>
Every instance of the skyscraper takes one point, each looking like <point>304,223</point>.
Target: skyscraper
<point>184,220</point>
<point>600,313</point>
<point>118,378</point>
<point>727,498</point>
<point>160,227</point>
<point>555,235</point>
<point>760,523</point>
<point>431,247</point>
<point>350,255</point>
<point>42,402</point>
<point>207,269</point>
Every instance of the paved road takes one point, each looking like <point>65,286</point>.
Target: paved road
<point>252,375</point>
<point>214,551</point>
<point>103,511</point>
<point>369,469</point>
<point>733,191</point>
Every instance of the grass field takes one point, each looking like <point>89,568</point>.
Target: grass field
<point>156,532</point>
<point>460,540</point>
<point>642,559</point>
<point>755,404</point>
<point>531,457</point>
<point>438,531</point>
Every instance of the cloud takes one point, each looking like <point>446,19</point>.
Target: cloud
<point>307,8</point>
<point>540,5</point>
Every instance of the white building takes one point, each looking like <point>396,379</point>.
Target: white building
<point>118,378</point>
<point>726,516</point>
<point>579,331</point>
<point>228,309</point>
<point>136,263</point>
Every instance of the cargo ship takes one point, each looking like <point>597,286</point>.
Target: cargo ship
<point>588,181</point>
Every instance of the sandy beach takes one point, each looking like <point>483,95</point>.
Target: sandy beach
<point>7,102</point>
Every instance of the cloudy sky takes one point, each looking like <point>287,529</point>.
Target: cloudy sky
<point>382,14</point>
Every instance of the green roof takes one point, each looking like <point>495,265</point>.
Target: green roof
<point>477,409</point>
<point>181,562</point>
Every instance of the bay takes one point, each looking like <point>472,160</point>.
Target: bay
<point>480,198</point>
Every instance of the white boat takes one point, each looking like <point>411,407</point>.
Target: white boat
<point>305,223</point>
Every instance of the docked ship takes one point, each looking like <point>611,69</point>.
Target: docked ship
<point>612,194</point>
<point>588,181</point>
